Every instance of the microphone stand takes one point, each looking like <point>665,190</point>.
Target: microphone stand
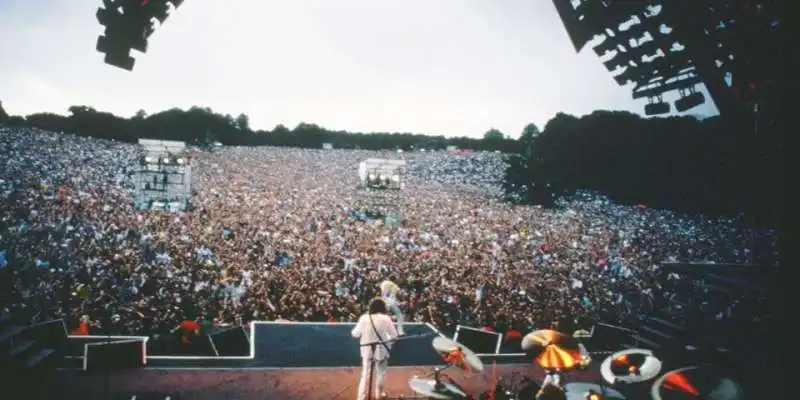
<point>372,347</point>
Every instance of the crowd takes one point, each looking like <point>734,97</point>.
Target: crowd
<point>273,234</point>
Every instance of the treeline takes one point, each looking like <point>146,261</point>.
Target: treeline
<point>714,166</point>
<point>199,125</point>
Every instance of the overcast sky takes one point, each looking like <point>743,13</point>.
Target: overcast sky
<point>452,67</point>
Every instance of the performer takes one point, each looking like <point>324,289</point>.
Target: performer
<point>552,377</point>
<point>390,293</point>
<point>371,327</point>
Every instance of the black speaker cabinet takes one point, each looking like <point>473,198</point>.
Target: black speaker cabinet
<point>114,355</point>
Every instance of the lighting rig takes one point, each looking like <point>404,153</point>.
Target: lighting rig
<point>381,180</point>
<point>671,46</point>
<point>168,159</point>
<point>128,25</point>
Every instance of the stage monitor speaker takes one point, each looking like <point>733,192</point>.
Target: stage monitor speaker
<point>231,342</point>
<point>477,340</point>
<point>114,355</point>
<point>51,334</point>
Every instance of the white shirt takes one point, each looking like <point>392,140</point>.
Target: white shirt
<point>389,290</point>
<point>364,331</point>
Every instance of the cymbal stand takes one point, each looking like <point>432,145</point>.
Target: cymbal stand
<point>436,373</point>
<point>513,386</point>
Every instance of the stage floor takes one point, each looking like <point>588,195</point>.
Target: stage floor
<point>246,384</point>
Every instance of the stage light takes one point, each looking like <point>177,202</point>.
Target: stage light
<point>690,101</point>
<point>372,177</point>
<point>180,161</point>
<point>383,177</point>
<point>657,108</point>
<point>396,178</point>
<point>148,160</point>
<point>165,160</point>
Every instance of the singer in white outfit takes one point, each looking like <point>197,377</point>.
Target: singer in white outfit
<point>371,327</point>
<point>390,292</point>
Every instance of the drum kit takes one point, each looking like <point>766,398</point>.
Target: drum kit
<point>444,387</point>
<point>551,350</point>
<point>558,353</point>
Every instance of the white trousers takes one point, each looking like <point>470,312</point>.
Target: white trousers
<point>378,377</point>
<point>398,314</point>
<point>552,379</point>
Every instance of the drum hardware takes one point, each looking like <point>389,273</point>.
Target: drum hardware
<point>513,390</point>
<point>455,355</point>
<point>630,366</point>
<point>436,388</point>
<point>696,383</point>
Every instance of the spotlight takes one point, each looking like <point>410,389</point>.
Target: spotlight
<point>372,177</point>
<point>148,160</point>
<point>689,101</point>
<point>165,160</point>
<point>657,108</point>
<point>396,178</point>
<point>180,161</point>
<point>383,177</point>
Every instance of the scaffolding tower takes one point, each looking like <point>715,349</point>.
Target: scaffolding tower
<point>380,183</point>
<point>163,176</point>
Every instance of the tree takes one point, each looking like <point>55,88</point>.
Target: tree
<point>528,137</point>
<point>75,110</point>
<point>678,163</point>
<point>280,129</point>
<point>493,134</point>
<point>197,123</point>
<point>530,131</point>
<point>3,115</point>
<point>243,122</point>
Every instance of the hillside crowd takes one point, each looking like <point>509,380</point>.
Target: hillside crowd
<point>281,233</point>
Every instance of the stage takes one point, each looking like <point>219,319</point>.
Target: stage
<point>287,361</point>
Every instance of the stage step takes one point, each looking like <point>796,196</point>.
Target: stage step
<point>644,342</point>
<point>664,322</point>
<point>21,347</point>
<point>38,358</point>
<point>659,333</point>
<point>738,283</point>
<point>5,318</point>
<point>712,288</point>
<point>10,332</point>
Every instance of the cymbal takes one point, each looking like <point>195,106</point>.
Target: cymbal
<point>579,390</point>
<point>429,388</point>
<point>630,366</point>
<point>552,349</point>
<point>696,383</point>
<point>581,334</point>
<point>457,355</point>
